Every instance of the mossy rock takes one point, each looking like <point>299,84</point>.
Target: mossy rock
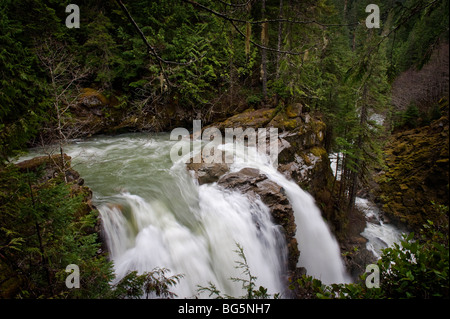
<point>416,174</point>
<point>92,98</point>
<point>248,119</point>
<point>294,110</point>
<point>318,151</point>
<point>284,122</point>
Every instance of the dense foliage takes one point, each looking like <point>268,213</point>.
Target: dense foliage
<point>45,226</point>
<point>205,60</point>
<point>418,267</point>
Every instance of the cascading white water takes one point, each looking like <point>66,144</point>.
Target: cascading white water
<point>378,234</point>
<point>154,214</point>
<point>319,250</point>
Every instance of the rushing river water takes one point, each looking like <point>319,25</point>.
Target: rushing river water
<point>154,214</point>
<point>379,235</point>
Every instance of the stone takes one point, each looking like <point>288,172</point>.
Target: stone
<point>416,174</point>
<point>207,172</point>
<point>294,110</point>
<point>92,98</point>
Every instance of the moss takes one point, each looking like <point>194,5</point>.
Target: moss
<point>90,94</point>
<point>318,151</point>
<point>293,110</point>
<point>319,128</point>
<point>305,158</point>
<point>282,121</point>
<point>416,173</point>
<point>249,118</point>
<point>289,124</point>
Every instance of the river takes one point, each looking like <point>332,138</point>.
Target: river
<point>154,214</point>
<point>379,235</point>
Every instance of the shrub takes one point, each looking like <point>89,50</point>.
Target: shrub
<point>414,268</point>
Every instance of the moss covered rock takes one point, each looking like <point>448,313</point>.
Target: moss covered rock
<point>416,174</point>
<point>92,98</point>
<point>250,118</point>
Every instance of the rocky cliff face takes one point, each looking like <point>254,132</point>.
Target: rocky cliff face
<point>416,174</point>
<point>302,156</point>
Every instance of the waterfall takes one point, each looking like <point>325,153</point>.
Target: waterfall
<point>319,250</point>
<point>154,214</point>
<point>378,234</point>
<point>151,236</point>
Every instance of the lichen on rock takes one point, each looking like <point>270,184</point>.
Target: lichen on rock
<point>416,174</point>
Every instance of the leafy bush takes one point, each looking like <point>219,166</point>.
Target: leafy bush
<point>415,268</point>
<point>248,284</point>
<point>149,284</point>
<point>418,268</point>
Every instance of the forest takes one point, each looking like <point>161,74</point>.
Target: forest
<point>152,66</point>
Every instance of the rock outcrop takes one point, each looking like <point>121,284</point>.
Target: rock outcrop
<point>416,174</point>
<point>301,157</point>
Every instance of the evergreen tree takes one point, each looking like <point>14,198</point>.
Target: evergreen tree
<point>22,98</point>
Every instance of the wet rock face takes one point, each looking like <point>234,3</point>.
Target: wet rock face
<point>207,172</point>
<point>416,174</point>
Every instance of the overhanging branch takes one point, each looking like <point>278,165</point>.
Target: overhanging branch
<point>151,49</point>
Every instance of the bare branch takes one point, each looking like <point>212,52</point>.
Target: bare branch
<point>236,5</point>
<point>151,50</point>
<point>265,47</point>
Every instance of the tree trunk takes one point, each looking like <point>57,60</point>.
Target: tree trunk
<point>280,29</point>
<point>264,42</point>
<point>231,66</point>
<point>359,146</point>
<point>38,233</point>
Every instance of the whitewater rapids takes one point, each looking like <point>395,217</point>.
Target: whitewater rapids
<point>154,214</point>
